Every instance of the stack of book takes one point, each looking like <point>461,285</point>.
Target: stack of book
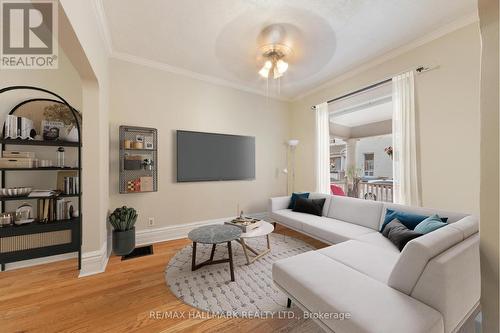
<point>71,185</point>
<point>18,128</point>
<point>52,209</point>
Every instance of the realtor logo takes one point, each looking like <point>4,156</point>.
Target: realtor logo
<point>29,34</point>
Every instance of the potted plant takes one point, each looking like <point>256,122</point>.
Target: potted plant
<point>123,221</point>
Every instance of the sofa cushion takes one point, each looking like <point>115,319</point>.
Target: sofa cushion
<point>416,255</point>
<point>377,239</point>
<point>366,258</point>
<point>292,219</point>
<point>399,234</point>
<point>430,224</point>
<point>365,213</point>
<point>323,285</point>
<point>294,198</point>
<point>309,206</point>
<point>452,216</point>
<point>327,198</point>
<point>333,231</point>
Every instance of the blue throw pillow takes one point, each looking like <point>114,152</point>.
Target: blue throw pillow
<point>294,197</point>
<point>431,223</point>
<point>410,220</point>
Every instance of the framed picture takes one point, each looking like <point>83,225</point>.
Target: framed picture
<point>148,142</point>
<point>51,130</point>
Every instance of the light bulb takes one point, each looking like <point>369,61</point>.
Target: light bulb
<point>282,66</point>
<point>268,64</point>
<point>264,72</point>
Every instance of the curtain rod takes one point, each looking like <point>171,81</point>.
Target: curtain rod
<point>419,69</point>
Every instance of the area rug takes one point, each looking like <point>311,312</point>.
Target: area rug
<point>252,294</point>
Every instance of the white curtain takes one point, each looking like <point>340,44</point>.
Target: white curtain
<point>322,148</point>
<point>406,189</point>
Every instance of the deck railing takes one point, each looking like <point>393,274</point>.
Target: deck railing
<point>376,191</point>
<point>370,191</point>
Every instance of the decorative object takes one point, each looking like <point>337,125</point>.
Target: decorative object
<point>246,224</point>
<point>208,289</point>
<point>18,128</point>
<point>138,170</point>
<point>399,234</point>
<point>24,214</point>
<point>309,206</point>
<point>214,234</point>
<point>60,157</point>
<point>138,145</point>
<point>148,142</point>
<point>123,220</point>
<point>388,151</point>
<point>18,154</point>
<point>52,129</point>
<point>15,191</point>
<point>265,229</point>
<point>59,113</point>
<point>46,236</point>
<point>6,219</point>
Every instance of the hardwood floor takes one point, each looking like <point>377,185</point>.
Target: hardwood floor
<point>51,298</point>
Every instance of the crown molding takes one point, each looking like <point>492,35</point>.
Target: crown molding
<point>356,69</point>
<point>106,36</point>
<point>193,75</point>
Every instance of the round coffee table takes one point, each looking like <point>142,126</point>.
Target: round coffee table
<point>264,229</point>
<point>214,234</point>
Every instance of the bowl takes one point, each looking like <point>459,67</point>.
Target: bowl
<point>15,191</point>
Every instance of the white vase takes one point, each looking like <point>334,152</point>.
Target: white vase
<point>71,136</point>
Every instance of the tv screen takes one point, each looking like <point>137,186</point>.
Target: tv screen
<point>211,156</point>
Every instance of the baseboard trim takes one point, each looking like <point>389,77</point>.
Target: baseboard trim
<point>178,231</point>
<point>40,261</point>
<point>94,262</point>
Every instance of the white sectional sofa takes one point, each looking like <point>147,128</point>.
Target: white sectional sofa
<point>432,285</point>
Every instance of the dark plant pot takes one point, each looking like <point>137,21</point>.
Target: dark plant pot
<point>123,241</point>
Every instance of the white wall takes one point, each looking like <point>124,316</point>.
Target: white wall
<point>145,96</point>
<point>447,112</point>
<point>376,145</point>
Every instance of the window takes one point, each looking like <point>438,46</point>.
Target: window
<point>368,165</point>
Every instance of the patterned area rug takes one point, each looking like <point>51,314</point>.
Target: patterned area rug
<point>253,292</point>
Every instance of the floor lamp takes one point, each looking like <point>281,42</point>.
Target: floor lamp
<point>291,146</point>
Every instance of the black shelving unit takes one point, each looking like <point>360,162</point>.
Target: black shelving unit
<point>51,238</point>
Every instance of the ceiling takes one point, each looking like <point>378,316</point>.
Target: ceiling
<point>219,39</point>
<point>364,116</point>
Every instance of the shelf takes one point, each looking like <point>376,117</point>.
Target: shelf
<point>39,169</point>
<point>39,227</point>
<point>38,143</point>
<point>25,197</point>
<point>142,150</point>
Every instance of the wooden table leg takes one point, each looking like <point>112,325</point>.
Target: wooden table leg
<point>212,253</point>
<point>268,242</point>
<point>244,246</point>
<point>193,257</point>
<point>230,252</point>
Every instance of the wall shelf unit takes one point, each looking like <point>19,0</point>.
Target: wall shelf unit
<point>138,166</point>
<point>57,236</point>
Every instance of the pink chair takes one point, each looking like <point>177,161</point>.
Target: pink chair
<point>337,190</point>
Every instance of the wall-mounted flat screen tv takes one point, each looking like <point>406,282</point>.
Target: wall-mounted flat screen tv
<point>211,156</point>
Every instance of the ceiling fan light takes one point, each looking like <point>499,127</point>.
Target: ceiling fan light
<point>282,66</point>
<point>268,64</point>
<point>276,73</point>
<point>264,72</point>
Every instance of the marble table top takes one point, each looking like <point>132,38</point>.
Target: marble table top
<point>214,234</point>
